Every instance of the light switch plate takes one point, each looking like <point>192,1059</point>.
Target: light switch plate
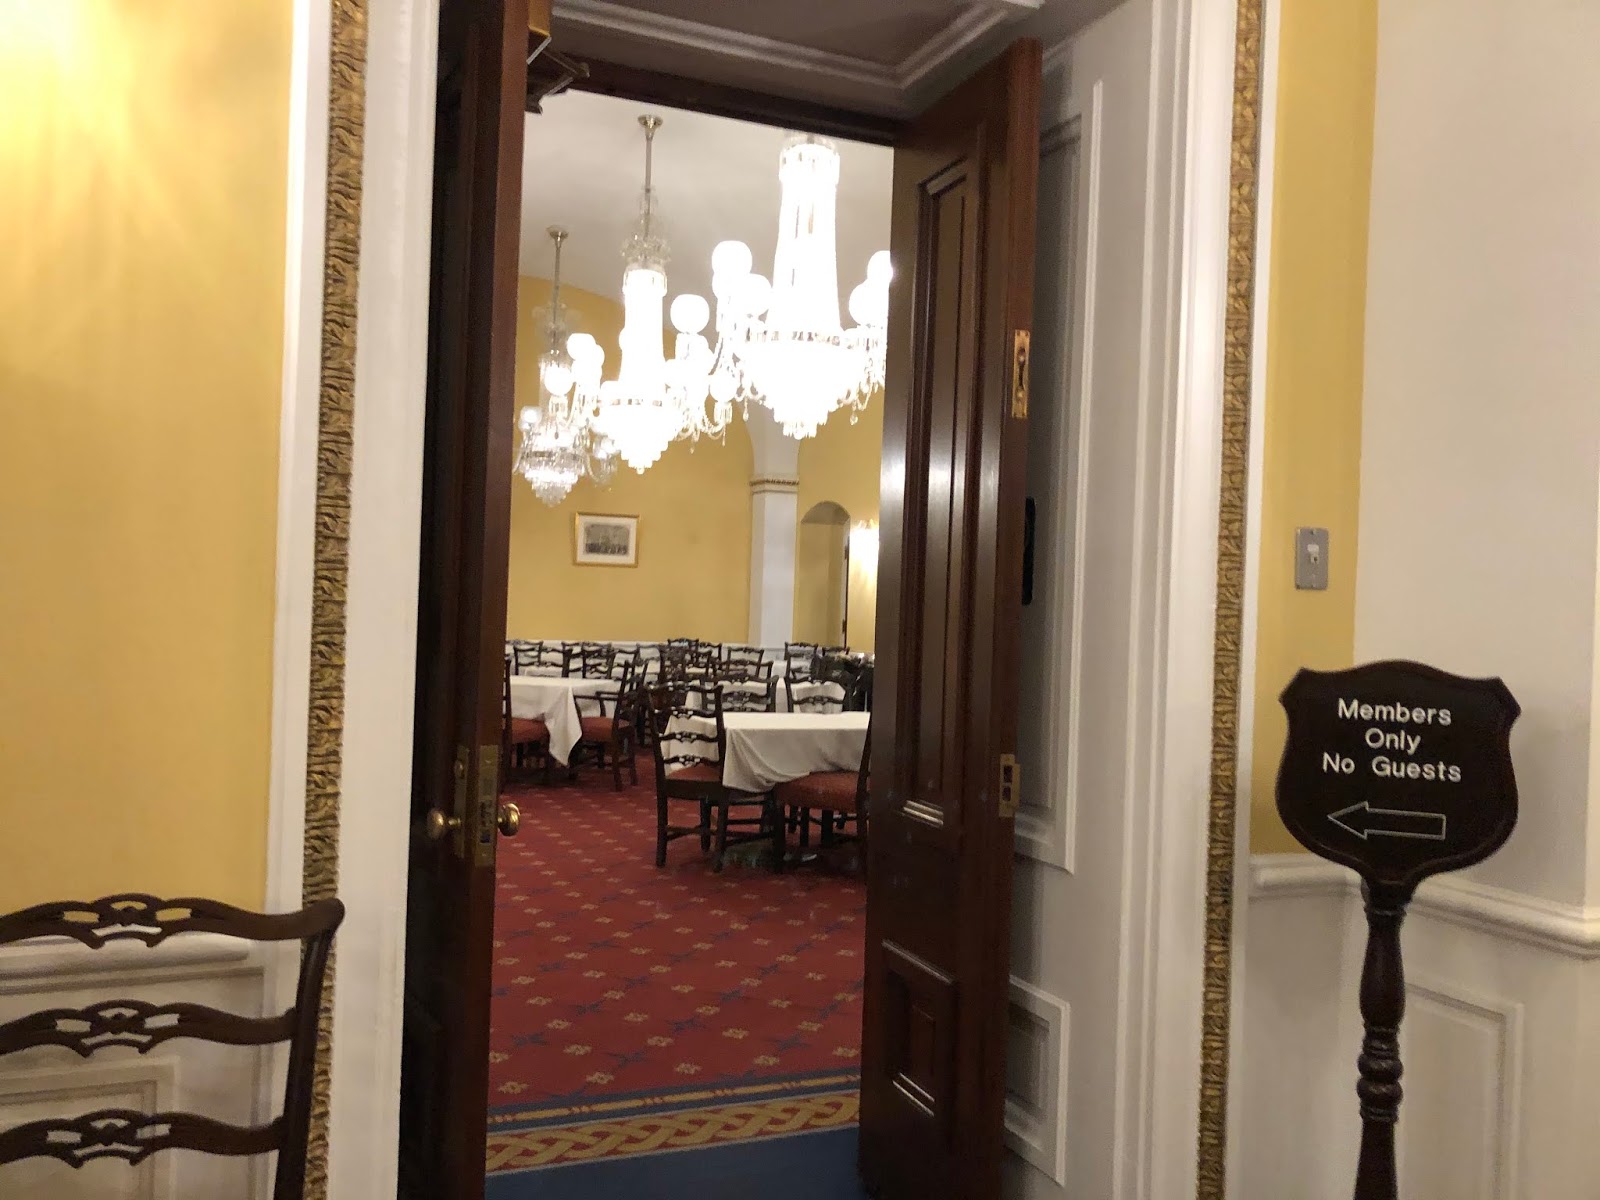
<point>1311,559</point>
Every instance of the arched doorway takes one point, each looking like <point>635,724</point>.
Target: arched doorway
<point>821,575</point>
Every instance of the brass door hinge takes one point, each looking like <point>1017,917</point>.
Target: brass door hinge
<point>487,805</point>
<point>1010,786</point>
<point>1020,340</point>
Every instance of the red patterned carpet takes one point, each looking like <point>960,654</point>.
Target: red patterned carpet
<point>637,1010</point>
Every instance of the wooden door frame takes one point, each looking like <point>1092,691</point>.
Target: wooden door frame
<point>393,139</point>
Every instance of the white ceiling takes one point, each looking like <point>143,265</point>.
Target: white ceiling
<point>887,57</point>
<point>716,179</point>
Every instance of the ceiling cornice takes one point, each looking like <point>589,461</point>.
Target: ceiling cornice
<point>893,87</point>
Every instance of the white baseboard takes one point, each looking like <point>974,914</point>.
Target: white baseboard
<point>222,1082</point>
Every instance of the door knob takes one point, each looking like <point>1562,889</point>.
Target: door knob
<point>510,819</point>
<point>437,824</point>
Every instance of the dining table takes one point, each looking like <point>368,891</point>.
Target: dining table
<point>764,749</point>
<point>561,702</point>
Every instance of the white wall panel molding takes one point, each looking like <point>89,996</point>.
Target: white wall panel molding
<point>1036,1079</point>
<point>1051,737</point>
<point>1567,929</point>
<point>226,1083</point>
<point>1464,1069</point>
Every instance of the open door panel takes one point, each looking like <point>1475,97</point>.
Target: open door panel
<point>483,46</point>
<point>949,609</point>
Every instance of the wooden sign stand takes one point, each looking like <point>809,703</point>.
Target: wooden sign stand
<point>1398,771</point>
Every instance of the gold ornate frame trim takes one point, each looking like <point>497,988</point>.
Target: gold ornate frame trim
<point>1231,531</point>
<point>336,405</point>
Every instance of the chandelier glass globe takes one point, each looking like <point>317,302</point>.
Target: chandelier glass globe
<point>780,342</point>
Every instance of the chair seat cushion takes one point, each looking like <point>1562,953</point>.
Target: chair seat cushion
<point>698,773</point>
<point>834,790</point>
<point>596,729</point>
<point>528,729</point>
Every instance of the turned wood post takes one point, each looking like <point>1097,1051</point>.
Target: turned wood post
<point>1383,1004</point>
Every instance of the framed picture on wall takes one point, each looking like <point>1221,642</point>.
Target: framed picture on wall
<point>605,540</point>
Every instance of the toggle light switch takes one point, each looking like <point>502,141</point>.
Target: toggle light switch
<point>1311,559</point>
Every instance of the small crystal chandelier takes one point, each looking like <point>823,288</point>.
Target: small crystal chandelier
<point>559,444</point>
<point>654,400</point>
<point>781,342</point>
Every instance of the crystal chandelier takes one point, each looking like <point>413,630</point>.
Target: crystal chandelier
<point>559,443</point>
<point>654,400</point>
<point>780,342</point>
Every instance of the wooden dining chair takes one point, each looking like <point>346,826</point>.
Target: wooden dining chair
<point>521,737</point>
<point>813,695</point>
<point>799,659</point>
<point>838,798</point>
<point>748,695</point>
<point>134,1136</point>
<point>743,654</point>
<point>743,670</point>
<point>591,660</point>
<point>688,760</point>
<point>548,658</point>
<point>613,732</point>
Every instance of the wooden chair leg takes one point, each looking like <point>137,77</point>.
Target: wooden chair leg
<point>633,763</point>
<point>721,851</point>
<point>705,827</point>
<point>616,767</point>
<point>661,831</point>
<point>780,846</point>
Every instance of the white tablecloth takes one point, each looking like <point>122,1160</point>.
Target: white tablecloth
<point>553,701</point>
<point>766,749</point>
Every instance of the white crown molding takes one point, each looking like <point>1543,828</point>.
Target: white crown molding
<point>894,82</point>
<point>1569,929</point>
<point>50,963</point>
<point>724,43</point>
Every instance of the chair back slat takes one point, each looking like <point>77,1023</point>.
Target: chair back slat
<point>140,1026</point>
<point>134,1136</point>
<point>135,916</point>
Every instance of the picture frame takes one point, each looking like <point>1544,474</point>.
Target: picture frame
<point>605,540</point>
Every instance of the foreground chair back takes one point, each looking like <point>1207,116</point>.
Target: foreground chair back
<point>135,1136</point>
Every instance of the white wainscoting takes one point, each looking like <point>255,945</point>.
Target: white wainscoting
<point>224,1082</point>
<point>1036,1079</point>
<point>1499,1050</point>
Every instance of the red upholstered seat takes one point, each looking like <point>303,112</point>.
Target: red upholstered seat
<point>528,729</point>
<point>698,773</point>
<point>833,790</point>
<point>596,729</point>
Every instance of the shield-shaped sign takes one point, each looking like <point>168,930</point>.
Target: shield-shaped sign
<point>1398,770</point>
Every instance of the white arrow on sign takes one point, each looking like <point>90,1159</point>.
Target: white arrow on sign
<point>1365,821</point>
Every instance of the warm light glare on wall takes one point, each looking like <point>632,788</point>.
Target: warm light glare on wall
<point>38,28</point>
<point>864,542</point>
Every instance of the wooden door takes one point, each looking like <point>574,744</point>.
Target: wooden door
<point>949,609</point>
<point>462,597</point>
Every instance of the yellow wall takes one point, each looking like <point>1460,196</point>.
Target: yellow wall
<point>1316,314</point>
<point>142,153</point>
<point>693,577</point>
<point>842,464</point>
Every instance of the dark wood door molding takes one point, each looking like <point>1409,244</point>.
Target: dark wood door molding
<point>950,578</point>
<point>467,454</point>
